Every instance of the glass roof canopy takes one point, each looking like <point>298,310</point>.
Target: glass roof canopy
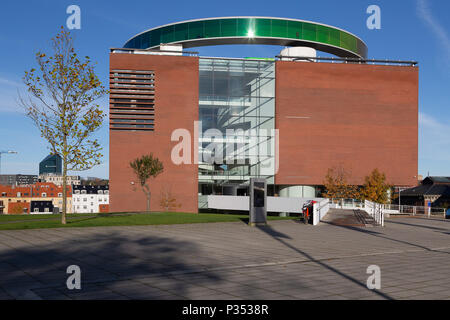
<point>252,30</point>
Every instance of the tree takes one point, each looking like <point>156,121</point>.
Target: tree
<point>168,200</point>
<point>60,102</point>
<point>146,167</point>
<point>393,194</point>
<point>337,186</point>
<point>375,187</point>
<point>18,208</point>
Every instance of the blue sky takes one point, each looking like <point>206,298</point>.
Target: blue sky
<point>411,30</point>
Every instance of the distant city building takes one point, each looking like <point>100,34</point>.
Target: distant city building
<point>94,181</point>
<point>51,164</point>
<point>58,179</point>
<point>434,190</point>
<point>90,199</point>
<point>18,179</point>
<point>19,207</point>
<point>14,200</point>
<point>41,207</point>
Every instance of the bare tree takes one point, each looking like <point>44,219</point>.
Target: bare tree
<point>167,200</point>
<point>60,102</point>
<point>146,167</point>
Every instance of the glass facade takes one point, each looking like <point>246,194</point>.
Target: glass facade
<point>237,120</point>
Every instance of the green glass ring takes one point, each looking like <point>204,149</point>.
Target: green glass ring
<point>252,30</point>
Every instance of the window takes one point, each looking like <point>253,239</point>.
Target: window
<point>36,209</point>
<point>46,210</point>
<point>83,191</point>
<point>77,191</point>
<point>44,195</point>
<point>84,199</point>
<point>18,194</point>
<point>59,195</point>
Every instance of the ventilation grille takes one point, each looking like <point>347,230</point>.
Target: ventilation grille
<point>132,100</point>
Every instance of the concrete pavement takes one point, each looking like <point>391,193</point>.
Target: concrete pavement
<point>286,260</point>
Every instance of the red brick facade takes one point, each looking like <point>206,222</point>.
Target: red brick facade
<point>360,117</point>
<point>176,106</point>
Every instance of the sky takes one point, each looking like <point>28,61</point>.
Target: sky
<point>416,30</point>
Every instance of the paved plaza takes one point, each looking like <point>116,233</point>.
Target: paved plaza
<point>285,260</point>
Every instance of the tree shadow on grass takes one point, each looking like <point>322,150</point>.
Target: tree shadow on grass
<point>74,220</point>
<point>113,265</point>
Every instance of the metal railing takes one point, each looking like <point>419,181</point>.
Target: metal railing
<point>414,210</point>
<point>390,209</point>
<point>375,210</point>
<point>153,51</point>
<point>350,60</point>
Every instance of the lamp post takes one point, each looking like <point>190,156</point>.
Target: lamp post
<point>6,152</point>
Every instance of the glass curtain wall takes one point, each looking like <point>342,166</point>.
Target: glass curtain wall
<point>237,122</point>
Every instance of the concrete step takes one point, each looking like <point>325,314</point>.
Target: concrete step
<point>364,218</point>
<point>347,217</point>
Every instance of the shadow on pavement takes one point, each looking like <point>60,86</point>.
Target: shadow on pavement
<point>380,235</point>
<point>106,257</point>
<point>280,236</point>
<point>418,225</point>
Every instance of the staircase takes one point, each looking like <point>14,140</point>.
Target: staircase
<point>364,218</point>
<point>349,217</point>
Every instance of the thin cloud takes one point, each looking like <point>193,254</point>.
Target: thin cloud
<point>8,94</point>
<point>432,123</point>
<point>424,12</point>
<point>434,138</point>
<point>11,83</point>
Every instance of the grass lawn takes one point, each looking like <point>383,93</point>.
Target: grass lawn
<point>17,222</point>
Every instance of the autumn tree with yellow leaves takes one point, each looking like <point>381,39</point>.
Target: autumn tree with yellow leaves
<point>337,186</point>
<point>61,103</point>
<point>376,188</point>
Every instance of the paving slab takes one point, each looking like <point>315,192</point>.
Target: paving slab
<point>286,260</point>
